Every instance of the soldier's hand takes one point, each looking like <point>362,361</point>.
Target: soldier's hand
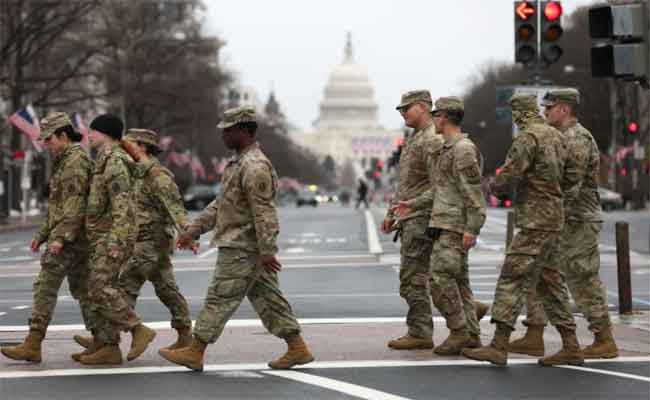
<point>114,253</point>
<point>185,241</point>
<point>133,149</point>
<point>55,247</point>
<point>402,209</point>
<point>194,246</point>
<point>388,225</point>
<point>34,245</point>
<point>469,241</point>
<point>271,264</point>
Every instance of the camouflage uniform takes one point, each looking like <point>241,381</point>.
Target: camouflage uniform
<point>414,186</point>
<point>246,227</point>
<point>534,167</point>
<point>68,194</point>
<point>111,226</point>
<point>578,254</point>
<point>159,209</point>
<point>458,207</point>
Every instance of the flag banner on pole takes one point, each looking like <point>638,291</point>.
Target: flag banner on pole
<point>197,167</point>
<point>165,142</point>
<point>26,121</point>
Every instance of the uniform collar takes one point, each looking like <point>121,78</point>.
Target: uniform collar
<point>456,139</point>
<point>239,156</point>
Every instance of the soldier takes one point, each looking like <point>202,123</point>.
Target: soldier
<point>411,207</point>
<point>160,212</point>
<point>456,219</point>
<point>112,231</point>
<point>578,254</point>
<point>534,167</point>
<point>63,230</point>
<point>246,229</point>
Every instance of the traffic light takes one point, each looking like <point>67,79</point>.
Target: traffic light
<point>632,127</point>
<point>526,51</point>
<point>620,41</point>
<point>551,32</point>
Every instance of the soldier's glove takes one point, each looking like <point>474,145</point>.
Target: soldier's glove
<point>185,241</point>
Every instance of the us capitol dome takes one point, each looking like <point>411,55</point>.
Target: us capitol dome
<point>347,128</point>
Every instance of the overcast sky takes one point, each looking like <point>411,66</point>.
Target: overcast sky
<point>292,46</point>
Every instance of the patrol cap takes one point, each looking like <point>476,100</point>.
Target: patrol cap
<point>52,122</point>
<point>450,103</point>
<point>413,96</point>
<point>143,136</point>
<point>566,95</point>
<point>234,116</point>
<point>524,102</point>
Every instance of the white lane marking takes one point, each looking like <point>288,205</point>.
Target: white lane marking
<point>294,250</point>
<point>484,283</point>
<point>264,367</point>
<point>243,323</point>
<point>16,259</point>
<point>642,272</point>
<point>20,308</point>
<point>2,313</point>
<point>7,250</point>
<point>486,276</point>
<point>374,246</point>
<point>208,252</point>
<point>309,234</point>
<point>605,372</point>
<point>292,241</point>
<point>359,391</point>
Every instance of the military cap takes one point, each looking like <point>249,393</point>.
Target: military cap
<point>413,96</point>
<point>52,122</point>
<point>524,102</point>
<point>237,115</point>
<point>143,136</point>
<point>566,95</point>
<point>451,103</point>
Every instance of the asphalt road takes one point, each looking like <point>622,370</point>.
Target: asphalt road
<point>330,274</point>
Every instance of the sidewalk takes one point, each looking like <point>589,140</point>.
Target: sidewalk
<point>349,341</point>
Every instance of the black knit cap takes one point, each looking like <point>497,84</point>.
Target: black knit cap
<point>108,124</point>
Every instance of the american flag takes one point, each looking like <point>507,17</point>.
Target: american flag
<point>197,167</point>
<point>26,121</point>
<point>165,142</point>
<point>81,128</point>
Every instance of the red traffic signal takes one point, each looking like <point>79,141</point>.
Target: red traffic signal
<point>553,11</point>
<point>632,127</point>
<point>19,155</point>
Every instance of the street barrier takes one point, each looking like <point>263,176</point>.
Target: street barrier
<point>623,267</point>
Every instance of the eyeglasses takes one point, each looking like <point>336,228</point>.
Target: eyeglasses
<point>405,109</point>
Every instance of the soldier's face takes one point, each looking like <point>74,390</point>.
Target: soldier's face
<point>439,121</point>
<point>554,114</point>
<point>231,137</point>
<point>54,144</point>
<point>97,139</point>
<point>412,114</point>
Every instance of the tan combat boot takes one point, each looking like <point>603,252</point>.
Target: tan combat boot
<point>83,341</point>
<point>474,341</point>
<point>95,345</point>
<point>106,355</point>
<point>454,343</point>
<point>481,310</point>
<point>532,343</point>
<point>184,339</point>
<point>409,342</point>
<point>190,357</point>
<point>142,336</point>
<point>603,346</point>
<point>496,352</point>
<point>29,350</point>
<point>297,354</point>
<point>570,353</point>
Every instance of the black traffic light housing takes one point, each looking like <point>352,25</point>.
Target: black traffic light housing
<point>526,28</point>
<point>551,32</point>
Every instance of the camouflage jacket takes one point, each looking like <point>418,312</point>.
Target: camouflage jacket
<point>582,201</point>
<point>159,205</point>
<point>416,173</point>
<point>69,187</point>
<point>244,214</point>
<point>534,169</point>
<point>111,212</point>
<point>459,204</point>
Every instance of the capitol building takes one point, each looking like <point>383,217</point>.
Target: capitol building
<point>347,128</point>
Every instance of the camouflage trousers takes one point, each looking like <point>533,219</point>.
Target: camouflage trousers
<point>70,263</point>
<point>109,310</point>
<point>527,262</point>
<point>151,262</point>
<point>414,275</point>
<point>239,274</point>
<point>578,257</point>
<point>450,288</point>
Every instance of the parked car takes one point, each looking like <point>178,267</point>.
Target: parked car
<point>306,198</point>
<point>196,197</point>
<point>610,200</point>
